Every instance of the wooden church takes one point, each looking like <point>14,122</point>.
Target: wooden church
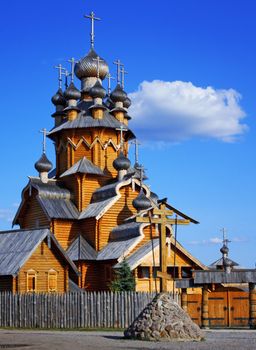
<point>82,217</point>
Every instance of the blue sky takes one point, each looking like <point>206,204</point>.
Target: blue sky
<point>192,63</point>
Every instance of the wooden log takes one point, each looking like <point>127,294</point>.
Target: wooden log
<point>252,305</point>
<point>205,309</point>
<point>184,299</point>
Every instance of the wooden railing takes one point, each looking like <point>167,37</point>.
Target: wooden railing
<point>72,310</point>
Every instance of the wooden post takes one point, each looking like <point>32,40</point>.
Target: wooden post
<point>205,310</point>
<point>252,305</point>
<point>184,299</point>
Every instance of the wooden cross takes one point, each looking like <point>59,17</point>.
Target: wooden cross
<point>73,62</point>
<point>98,60</point>
<point>109,77</point>
<point>123,72</point>
<point>225,240</point>
<point>118,64</point>
<point>92,17</point>
<point>60,71</point>
<point>121,129</point>
<point>66,74</point>
<point>44,132</point>
<point>163,219</point>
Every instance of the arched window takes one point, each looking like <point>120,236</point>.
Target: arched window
<point>31,281</point>
<point>52,281</point>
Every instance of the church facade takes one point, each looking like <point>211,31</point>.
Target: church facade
<point>90,201</point>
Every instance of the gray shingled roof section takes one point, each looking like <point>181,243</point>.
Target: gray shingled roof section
<point>87,121</point>
<point>116,249</point>
<point>105,192</point>
<point>95,209</point>
<point>83,166</point>
<point>219,262</point>
<point>139,254</point>
<point>17,246</point>
<point>49,189</point>
<point>58,208</point>
<point>80,249</point>
<point>127,230</point>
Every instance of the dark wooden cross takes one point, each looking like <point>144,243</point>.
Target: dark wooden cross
<point>162,219</point>
<point>92,17</point>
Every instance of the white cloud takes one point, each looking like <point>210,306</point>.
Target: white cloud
<point>6,215</point>
<point>217,240</point>
<point>175,111</point>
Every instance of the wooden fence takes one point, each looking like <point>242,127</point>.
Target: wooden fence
<point>72,310</point>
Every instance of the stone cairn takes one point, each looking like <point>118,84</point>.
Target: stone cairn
<point>163,320</point>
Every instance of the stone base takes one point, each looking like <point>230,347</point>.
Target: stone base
<point>163,320</point>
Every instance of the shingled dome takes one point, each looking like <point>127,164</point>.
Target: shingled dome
<point>72,93</point>
<point>118,94</point>
<point>127,102</point>
<point>86,67</point>
<point>121,162</point>
<point>58,99</point>
<point>224,249</point>
<point>43,165</point>
<point>141,202</point>
<point>97,90</point>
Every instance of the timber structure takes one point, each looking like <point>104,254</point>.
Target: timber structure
<point>93,202</point>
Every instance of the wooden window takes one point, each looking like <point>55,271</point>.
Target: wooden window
<point>31,281</point>
<point>143,272</point>
<point>52,281</point>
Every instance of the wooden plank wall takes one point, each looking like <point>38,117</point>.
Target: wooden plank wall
<point>72,310</point>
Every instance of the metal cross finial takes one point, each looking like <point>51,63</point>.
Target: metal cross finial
<point>44,132</point>
<point>60,71</point>
<point>66,74</point>
<point>121,129</point>
<point>109,77</point>
<point>118,64</point>
<point>123,72</point>
<point>98,60</point>
<point>92,17</point>
<point>137,144</point>
<point>141,169</point>
<point>73,62</point>
<point>225,240</point>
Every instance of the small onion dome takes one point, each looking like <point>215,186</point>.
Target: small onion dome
<point>58,99</point>
<point>118,94</point>
<point>43,165</point>
<point>87,66</point>
<point>72,93</point>
<point>127,102</point>
<point>97,90</point>
<point>121,162</point>
<point>141,202</point>
<point>224,249</point>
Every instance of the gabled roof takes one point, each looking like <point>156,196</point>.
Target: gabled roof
<point>219,263</point>
<point>118,249</point>
<point>83,166</point>
<point>55,200</point>
<point>96,210</point>
<point>139,255</point>
<point>80,249</point>
<point>17,246</point>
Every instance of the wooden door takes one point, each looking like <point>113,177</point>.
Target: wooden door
<point>218,309</point>
<point>195,308</point>
<point>238,309</point>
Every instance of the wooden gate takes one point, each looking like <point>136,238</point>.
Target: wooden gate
<point>226,308</point>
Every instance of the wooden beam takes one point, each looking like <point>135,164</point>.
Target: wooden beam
<point>164,275</point>
<point>160,220</point>
<point>157,211</point>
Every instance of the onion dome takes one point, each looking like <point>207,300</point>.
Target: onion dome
<point>224,249</point>
<point>141,202</point>
<point>127,102</point>
<point>87,66</point>
<point>58,99</point>
<point>43,165</point>
<point>118,94</point>
<point>121,162</point>
<point>72,93</point>
<point>97,90</point>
